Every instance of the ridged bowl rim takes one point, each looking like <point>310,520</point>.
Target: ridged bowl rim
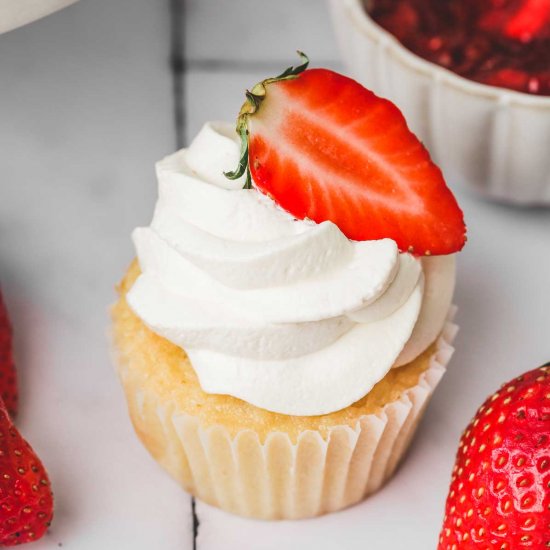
<point>360,19</point>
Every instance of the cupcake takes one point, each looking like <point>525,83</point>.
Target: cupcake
<point>472,78</point>
<point>285,322</point>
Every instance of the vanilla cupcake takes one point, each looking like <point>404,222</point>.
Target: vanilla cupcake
<point>274,363</point>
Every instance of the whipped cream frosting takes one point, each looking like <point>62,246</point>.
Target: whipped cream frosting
<point>288,315</point>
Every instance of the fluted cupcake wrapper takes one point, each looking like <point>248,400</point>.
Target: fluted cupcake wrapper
<point>279,478</point>
<point>492,139</point>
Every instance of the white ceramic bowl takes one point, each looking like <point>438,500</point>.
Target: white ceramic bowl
<point>494,140</point>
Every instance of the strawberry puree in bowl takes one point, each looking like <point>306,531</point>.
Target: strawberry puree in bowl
<point>502,43</point>
<point>481,104</point>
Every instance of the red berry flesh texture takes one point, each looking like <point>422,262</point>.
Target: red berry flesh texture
<point>8,374</point>
<point>488,41</point>
<point>26,501</point>
<point>325,148</point>
<point>529,20</point>
<point>500,490</point>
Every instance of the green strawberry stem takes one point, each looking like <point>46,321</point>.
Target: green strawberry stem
<point>251,105</point>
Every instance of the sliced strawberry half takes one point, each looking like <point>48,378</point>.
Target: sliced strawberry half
<point>326,148</point>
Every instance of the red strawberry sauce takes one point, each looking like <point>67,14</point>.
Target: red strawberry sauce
<point>503,43</point>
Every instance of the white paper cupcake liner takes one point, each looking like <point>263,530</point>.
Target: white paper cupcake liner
<point>493,140</point>
<point>279,478</point>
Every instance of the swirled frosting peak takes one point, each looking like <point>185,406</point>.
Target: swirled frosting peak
<point>288,315</point>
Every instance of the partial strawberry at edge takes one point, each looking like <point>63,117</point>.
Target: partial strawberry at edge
<point>325,148</point>
<point>26,500</point>
<point>8,374</point>
<point>500,490</point>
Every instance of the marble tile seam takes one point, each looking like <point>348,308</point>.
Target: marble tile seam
<point>178,67</point>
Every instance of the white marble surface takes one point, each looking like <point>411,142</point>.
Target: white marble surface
<point>86,107</point>
<point>220,33</point>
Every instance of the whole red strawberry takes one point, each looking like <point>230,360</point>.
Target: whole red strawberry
<point>499,497</point>
<point>26,501</point>
<point>8,375</point>
<point>323,147</point>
